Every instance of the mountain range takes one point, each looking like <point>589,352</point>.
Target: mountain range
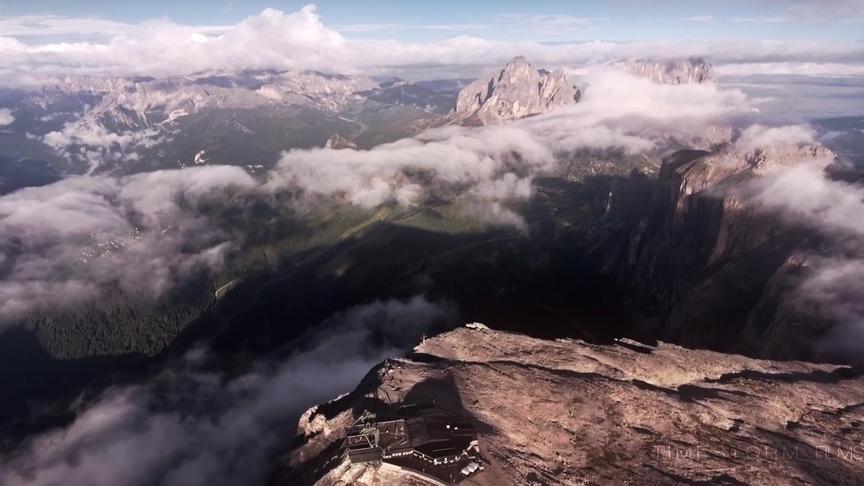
<point>649,282</point>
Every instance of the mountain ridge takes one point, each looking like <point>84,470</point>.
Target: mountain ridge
<point>604,413</point>
<point>515,91</point>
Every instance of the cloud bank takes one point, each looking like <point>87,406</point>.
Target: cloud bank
<point>833,275</point>
<point>277,40</point>
<point>6,117</point>
<point>87,141</point>
<point>63,245</point>
<point>487,167</point>
<point>757,137</point>
<point>191,427</point>
<point>60,244</point>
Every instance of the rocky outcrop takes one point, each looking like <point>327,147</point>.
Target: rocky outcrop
<point>517,90</point>
<point>568,412</point>
<point>680,71</point>
<point>704,266</point>
<point>136,104</point>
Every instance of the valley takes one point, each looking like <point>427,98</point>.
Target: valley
<point>204,258</point>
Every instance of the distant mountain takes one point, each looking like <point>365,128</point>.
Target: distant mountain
<point>79,124</point>
<point>136,103</point>
<point>515,91</point>
<point>433,95</point>
<point>678,71</point>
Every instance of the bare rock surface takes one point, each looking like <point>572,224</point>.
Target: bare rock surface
<point>516,91</point>
<point>677,71</point>
<point>569,412</point>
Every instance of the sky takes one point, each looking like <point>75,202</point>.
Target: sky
<point>45,40</point>
<point>416,21</point>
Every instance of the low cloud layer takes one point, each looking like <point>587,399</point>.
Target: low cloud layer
<point>89,142</point>
<point>833,284</point>
<point>191,427</point>
<point>77,240</point>
<point>806,193</point>
<point>299,40</point>
<point>761,137</point>
<point>6,117</point>
<point>62,244</point>
<point>492,164</point>
<point>487,167</point>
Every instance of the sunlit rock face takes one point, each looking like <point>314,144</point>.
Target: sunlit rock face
<point>679,71</point>
<point>516,91</point>
<point>568,412</point>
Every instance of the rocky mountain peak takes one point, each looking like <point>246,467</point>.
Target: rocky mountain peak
<point>696,170</point>
<point>694,70</point>
<point>517,90</point>
<point>518,61</point>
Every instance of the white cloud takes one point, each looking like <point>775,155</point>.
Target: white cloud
<point>61,244</point>
<point>484,171</point>
<point>835,287</point>
<point>806,194</point>
<point>762,137</point>
<point>299,40</point>
<point>485,168</point>
<point>833,272</point>
<point>444,159</point>
<point>87,141</point>
<point>212,430</point>
<point>6,117</point>
<point>51,235</point>
<point>704,19</point>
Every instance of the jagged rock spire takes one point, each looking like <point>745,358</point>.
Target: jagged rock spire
<point>515,91</point>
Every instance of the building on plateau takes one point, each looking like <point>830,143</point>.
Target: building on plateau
<point>424,440</point>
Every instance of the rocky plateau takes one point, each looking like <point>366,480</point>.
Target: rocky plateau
<point>568,412</point>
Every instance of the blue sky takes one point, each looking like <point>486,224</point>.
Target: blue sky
<point>553,20</point>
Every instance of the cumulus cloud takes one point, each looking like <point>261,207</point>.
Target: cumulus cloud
<point>6,117</point>
<point>484,168</point>
<point>620,109</point>
<point>87,141</point>
<point>299,40</point>
<point>761,137</point>
<point>832,286</point>
<point>443,162</point>
<point>61,245</point>
<point>835,288</point>
<point>62,242</point>
<point>191,427</point>
<point>806,194</point>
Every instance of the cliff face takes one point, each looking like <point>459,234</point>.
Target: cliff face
<point>567,412</point>
<point>681,71</point>
<point>688,250</point>
<point>517,90</point>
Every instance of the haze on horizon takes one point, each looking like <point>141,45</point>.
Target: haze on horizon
<point>216,215</point>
